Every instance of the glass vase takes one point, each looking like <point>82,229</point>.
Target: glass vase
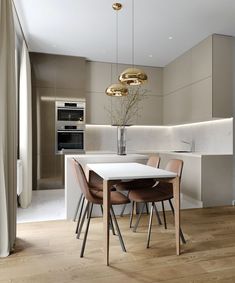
<point>121,140</point>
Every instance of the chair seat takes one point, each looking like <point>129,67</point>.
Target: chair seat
<point>165,188</point>
<point>149,195</point>
<point>115,199</point>
<point>134,184</point>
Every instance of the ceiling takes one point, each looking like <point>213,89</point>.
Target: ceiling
<point>87,28</point>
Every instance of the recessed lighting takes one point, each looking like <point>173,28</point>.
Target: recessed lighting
<point>54,45</point>
<point>170,37</point>
<point>150,55</point>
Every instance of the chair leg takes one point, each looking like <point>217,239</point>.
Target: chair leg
<point>157,214</point>
<point>181,233</point>
<point>150,224</point>
<point>80,215</point>
<point>110,222</point>
<point>138,219</point>
<point>77,208</point>
<point>123,209</point>
<point>132,212</point>
<point>117,228</point>
<point>147,208</point>
<point>82,221</point>
<point>86,231</point>
<point>111,226</point>
<point>164,215</point>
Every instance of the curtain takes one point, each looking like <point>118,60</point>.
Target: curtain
<point>25,127</point>
<point>8,135</point>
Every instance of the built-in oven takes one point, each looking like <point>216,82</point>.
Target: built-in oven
<point>70,126</point>
<point>70,112</point>
<point>70,139</point>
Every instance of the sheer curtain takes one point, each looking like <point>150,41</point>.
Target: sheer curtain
<point>25,124</point>
<point>7,130</point>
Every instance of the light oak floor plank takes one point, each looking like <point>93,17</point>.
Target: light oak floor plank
<point>49,252</point>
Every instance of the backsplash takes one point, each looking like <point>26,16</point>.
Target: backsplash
<point>209,137</point>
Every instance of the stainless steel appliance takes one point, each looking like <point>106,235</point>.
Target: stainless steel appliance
<point>70,112</point>
<point>70,126</point>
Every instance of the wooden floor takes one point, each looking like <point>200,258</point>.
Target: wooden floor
<point>49,252</point>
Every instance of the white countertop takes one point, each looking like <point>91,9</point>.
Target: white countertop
<point>142,154</point>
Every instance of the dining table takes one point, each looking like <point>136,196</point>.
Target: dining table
<point>112,173</point>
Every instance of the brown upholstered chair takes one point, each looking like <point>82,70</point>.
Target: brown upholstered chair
<point>94,196</point>
<point>153,161</point>
<point>94,181</point>
<point>159,193</point>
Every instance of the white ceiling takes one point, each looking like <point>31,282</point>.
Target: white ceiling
<point>87,28</point>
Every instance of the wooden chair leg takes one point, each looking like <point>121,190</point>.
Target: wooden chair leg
<point>164,215</point>
<point>181,233</point>
<point>157,214</point>
<point>150,224</point>
<point>86,231</point>
<point>80,215</point>
<point>82,221</point>
<point>138,219</point>
<point>117,229</point>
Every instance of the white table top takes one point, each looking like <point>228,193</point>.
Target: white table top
<point>127,171</point>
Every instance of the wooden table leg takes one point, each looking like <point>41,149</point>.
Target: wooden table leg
<point>176,192</point>
<point>106,215</point>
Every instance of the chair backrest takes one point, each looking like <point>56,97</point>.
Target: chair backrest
<point>176,166</point>
<point>153,161</point>
<point>81,178</point>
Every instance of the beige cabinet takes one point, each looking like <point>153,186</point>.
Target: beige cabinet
<point>101,108</point>
<point>150,111</point>
<point>201,81</point>
<point>206,179</point>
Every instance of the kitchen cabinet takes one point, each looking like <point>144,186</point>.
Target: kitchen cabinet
<point>206,179</point>
<point>201,81</point>
<point>100,106</point>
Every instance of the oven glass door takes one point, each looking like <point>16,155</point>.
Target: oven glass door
<point>72,114</point>
<point>70,140</point>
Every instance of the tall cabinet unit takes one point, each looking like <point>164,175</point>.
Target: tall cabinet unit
<point>197,86</point>
<point>54,77</point>
<point>101,108</point>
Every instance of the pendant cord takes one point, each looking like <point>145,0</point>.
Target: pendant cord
<point>133,37</point>
<point>117,43</point>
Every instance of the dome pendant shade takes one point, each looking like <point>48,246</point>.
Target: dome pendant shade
<point>133,76</point>
<point>117,90</point>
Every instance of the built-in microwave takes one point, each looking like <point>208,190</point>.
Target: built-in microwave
<point>70,112</point>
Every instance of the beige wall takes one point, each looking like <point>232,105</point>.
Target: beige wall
<point>101,75</point>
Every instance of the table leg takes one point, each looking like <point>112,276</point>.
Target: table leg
<point>106,215</point>
<point>176,192</point>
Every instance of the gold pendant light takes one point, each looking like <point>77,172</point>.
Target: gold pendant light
<point>117,89</point>
<point>133,76</point>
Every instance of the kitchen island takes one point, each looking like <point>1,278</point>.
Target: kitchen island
<point>206,179</point>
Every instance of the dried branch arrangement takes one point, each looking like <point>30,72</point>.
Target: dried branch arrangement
<point>125,110</point>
